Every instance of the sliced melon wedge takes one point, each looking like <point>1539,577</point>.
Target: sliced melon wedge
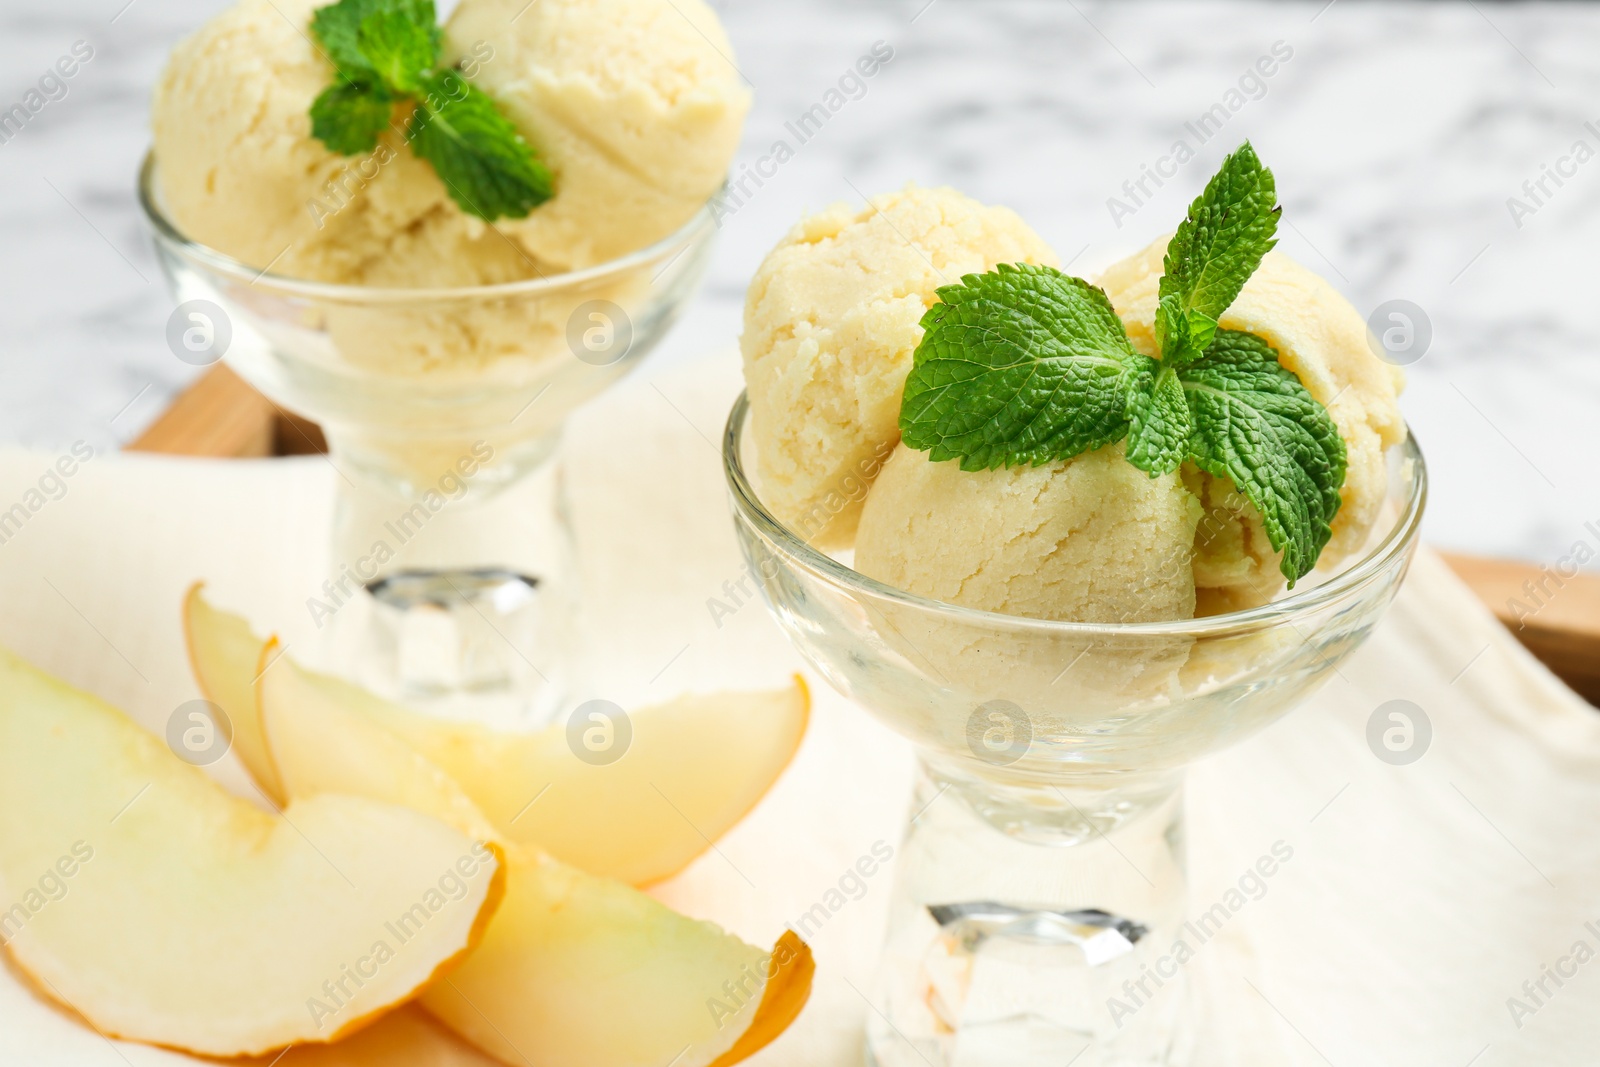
<point>579,971</point>
<point>162,909</point>
<point>223,653</point>
<point>575,969</point>
<point>315,746</point>
<point>693,768</point>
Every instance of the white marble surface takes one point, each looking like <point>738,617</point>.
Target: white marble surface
<point>1397,132</point>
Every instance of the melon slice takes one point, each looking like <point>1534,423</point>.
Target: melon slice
<point>575,969</point>
<point>162,909</point>
<point>315,746</point>
<point>223,653</point>
<point>579,971</point>
<point>693,768</point>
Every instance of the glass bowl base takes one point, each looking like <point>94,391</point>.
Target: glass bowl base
<point>462,606</point>
<point>1018,950</point>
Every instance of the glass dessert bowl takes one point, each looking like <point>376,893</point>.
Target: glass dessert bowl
<point>1043,867</point>
<point>442,409</point>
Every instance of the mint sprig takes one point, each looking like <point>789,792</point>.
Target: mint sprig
<point>1256,425</point>
<point>1159,420</point>
<point>476,150</point>
<point>337,28</point>
<point>1219,244</point>
<point>401,51</point>
<point>1019,366</point>
<point>1025,365</point>
<point>387,53</point>
<point>349,118</point>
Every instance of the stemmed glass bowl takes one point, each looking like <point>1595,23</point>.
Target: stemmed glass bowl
<point>1040,893</point>
<point>442,409</point>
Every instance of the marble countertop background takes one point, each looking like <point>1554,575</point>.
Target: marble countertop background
<point>1398,132</point>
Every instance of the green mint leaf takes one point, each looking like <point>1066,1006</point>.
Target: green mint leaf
<point>489,170</point>
<point>337,28</point>
<point>1229,228</point>
<point>1022,365</point>
<point>1158,418</point>
<point>401,50</point>
<point>1256,425</point>
<point>1184,336</point>
<point>349,117</point>
<point>386,51</point>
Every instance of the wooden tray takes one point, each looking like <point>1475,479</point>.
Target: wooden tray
<point>221,416</point>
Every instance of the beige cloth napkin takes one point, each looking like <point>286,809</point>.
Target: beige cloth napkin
<point>1418,898</point>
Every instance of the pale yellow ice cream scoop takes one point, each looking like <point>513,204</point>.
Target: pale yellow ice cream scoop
<point>241,173</point>
<point>634,105</point>
<point>1321,338</point>
<point>830,323</point>
<point>1088,539</point>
